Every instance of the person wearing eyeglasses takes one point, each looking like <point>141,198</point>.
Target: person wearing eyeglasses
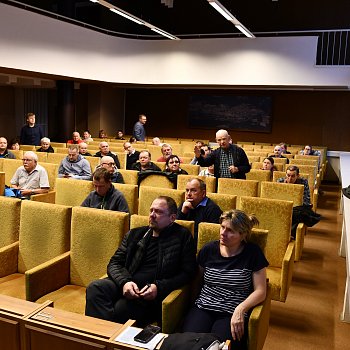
<point>107,162</point>
<point>132,156</point>
<point>31,178</point>
<point>172,165</point>
<point>105,196</point>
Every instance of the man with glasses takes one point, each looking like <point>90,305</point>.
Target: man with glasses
<point>107,162</point>
<point>151,262</point>
<point>230,161</point>
<point>104,151</point>
<point>30,178</point>
<point>105,196</point>
<point>132,156</point>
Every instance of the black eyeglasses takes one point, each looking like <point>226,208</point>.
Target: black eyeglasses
<point>174,162</point>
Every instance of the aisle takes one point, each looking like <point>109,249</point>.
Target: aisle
<point>310,317</point>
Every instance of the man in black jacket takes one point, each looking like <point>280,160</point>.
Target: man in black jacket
<point>151,262</point>
<point>229,160</point>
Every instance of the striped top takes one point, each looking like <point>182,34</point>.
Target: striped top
<point>228,280</point>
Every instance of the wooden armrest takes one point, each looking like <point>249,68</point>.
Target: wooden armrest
<point>48,197</point>
<point>9,259</point>
<point>47,277</point>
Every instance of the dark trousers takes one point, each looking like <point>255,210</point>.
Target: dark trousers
<point>219,323</point>
<point>104,300</point>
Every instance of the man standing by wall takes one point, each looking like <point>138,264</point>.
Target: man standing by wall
<point>31,134</point>
<point>139,131</point>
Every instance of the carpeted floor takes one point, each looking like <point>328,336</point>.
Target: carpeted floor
<point>310,318</point>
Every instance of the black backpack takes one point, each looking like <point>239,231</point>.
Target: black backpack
<point>189,341</point>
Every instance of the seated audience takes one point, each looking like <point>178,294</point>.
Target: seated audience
<point>151,262</point>
<point>277,153</point>
<point>204,149</point>
<point>87,136</point>
<point>308,151</point>
<point>268,164</point>
<point>172,165</point>
<point>132,156</point>
<point>83,150</point>
<point>105,196</point>
<point>197,206</point>
<point>108,163</point>
<point>233,272</point>
<point>167,151</point>
<point>31,178</point>
<point>14,144</point>
<point>145,163</point>
<point>74,166</point>
<point>45,146</point>
<point>293,177</point>
<point>120,135</point>
<point>4,152</point>
<point>284,147</point>
<point>208,171</point>
<point>156,141</point>
<point>75,139</point>
<point>104,151</point>
<point>102,134</point>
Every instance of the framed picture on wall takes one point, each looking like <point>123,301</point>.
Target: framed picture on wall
<point>244,113</point>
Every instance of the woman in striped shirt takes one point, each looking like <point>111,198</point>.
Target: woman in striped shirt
<point>234,281</point>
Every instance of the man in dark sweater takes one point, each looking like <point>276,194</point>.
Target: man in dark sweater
<point>198,207</point>
<point>31,134</point>
<point>132,156</point>
<point>151,262</point>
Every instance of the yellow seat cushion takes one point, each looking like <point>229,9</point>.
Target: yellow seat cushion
<point>13,285</point>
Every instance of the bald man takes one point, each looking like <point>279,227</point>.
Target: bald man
<point>230,161</point>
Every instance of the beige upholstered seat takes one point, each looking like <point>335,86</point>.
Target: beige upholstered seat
<point>26,148</point>
<point>94,162</point>
<point>95,236</point>
<point>2,183</point>
<point>276,217</point>
<point>289,192</point>
<point>148,194</point>
<point>238,187</point>
<point>44,234</point>
<point>130,193</point>
<point>72,192</point>
<point>56,157</point>
<point>130,176</point>
<point>224,201</point>
<point>209,181</point>
<point>122,159</point>
<point>9,167</point>
<point>259,175</point>
<point>42,157</point>
<point>190,168</point>
<point>156,180</point>
<point>18,153</point>
<point>10,209</point>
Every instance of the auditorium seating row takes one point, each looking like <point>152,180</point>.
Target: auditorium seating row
<point>52,252</point>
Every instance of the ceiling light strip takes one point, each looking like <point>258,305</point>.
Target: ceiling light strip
<point>135,19</point>
<point>230,17</point>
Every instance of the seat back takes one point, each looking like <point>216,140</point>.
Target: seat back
<point>96,235</point>
<point>275,216</point>
<point>56,158</point>
<point>94,162</point>
<point>224,201</point>
<point>122,159</point>
<point>2,183</point>
<point>142,220</point>
<point>26,148</point>
<point>42,156</point>
<point>190,168</point>
<point>130,193</point>
<point>10,209</point>
<point>9,167</point>
<point>72,192</point>
<point>289,192</point>
<point>52,170</point>
<point>209,181</point>
<point>130,176</point>
<point>208,232</point>
<point>148,194</point>
<point>18,153</point>
<point>156,180</point>
<point>238,187</point>
<point>259,175</point>
<point>44,233</point>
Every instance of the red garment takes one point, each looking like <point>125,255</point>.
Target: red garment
<point>72,142</point>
